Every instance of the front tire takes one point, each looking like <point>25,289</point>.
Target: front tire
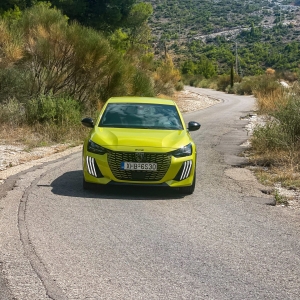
<point>189,190</point>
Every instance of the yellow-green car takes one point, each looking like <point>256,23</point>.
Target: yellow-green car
<point>140,141</point>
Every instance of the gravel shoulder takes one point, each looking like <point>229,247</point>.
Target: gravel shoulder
<point>15,158</point>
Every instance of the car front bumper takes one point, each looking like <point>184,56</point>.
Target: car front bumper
<point>99,169</point>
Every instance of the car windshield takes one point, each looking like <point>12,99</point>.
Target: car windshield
<point>141,115</point>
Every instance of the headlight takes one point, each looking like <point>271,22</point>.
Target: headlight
<point>95,148</point>
<point>184,151</point>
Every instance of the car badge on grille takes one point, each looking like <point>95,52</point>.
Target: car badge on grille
<point>139,156</point>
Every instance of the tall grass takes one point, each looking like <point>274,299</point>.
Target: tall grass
<point>48,118</point>
<point>272,101</point>
<point>62,111</point>
<point>12,113</point>
<point>277,143</point>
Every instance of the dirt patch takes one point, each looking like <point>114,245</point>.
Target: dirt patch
<point>188,101</point>
<point>13,155</point>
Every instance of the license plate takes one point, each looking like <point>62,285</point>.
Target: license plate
<point>134,166</point>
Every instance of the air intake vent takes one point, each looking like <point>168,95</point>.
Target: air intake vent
<point>92,167</point>
<point>184,171</point>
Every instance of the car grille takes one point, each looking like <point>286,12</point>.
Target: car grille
<point>163,161</point>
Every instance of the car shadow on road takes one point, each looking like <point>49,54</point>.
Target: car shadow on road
<point>70,184</point>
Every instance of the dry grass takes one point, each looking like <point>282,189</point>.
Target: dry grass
<point>276,154</point>
<point>267,103</point>
<point>16,135</point>
<point>288,159</point>
<point>274,175</point>
<point>41,135</point>
<point>174,97</point>
<point>272,167</point>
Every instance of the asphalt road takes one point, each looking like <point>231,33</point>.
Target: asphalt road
<point>226,241</point>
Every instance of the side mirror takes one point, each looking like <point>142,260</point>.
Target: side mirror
<point>87,122</point>
<point>193,126</point>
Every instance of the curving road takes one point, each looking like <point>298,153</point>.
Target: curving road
<point>226,241</point>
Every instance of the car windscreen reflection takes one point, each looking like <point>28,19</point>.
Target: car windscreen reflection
<point>141,115</point>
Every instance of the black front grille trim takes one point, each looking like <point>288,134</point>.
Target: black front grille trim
<point>115,158</point>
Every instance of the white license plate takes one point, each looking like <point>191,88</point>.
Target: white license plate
<point>134,166</point>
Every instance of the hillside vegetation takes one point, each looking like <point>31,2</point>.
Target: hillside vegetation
<point>54,70</point>
<point>252,35</point>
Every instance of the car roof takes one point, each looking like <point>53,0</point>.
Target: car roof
<point>131,99</point>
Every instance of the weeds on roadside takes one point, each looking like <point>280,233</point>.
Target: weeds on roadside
<point>277,143</point>
<point>41,121</point>
<point>280,199</point>
<point>41,135</point>
<point>272,101</point>
<point>12,112</point>
<point>272,175</point>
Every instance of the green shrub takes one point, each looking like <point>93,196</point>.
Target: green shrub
<point>68,111</point>
<point>223,82</point>
<point>282,131</point>
<point>57,110</point>
<point>244,87</point>
<point>289,119</point>
<point>166,77</point>
<point>117,84</point>
<point>268,137</point>
<point>230,90</point>
<point>204,83</point>
<point>63,58</point>
<point>264,85</point>
<point>12,112</point>
<point>191,80</point>
<point>143,85</point>
<point>179,86</point>
<point>14,84</point>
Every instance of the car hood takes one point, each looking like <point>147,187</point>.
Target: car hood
<point>124,139</point>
